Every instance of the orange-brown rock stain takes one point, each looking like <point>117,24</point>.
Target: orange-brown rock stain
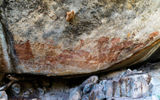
<point>3,63</point>
<point>154,34</point>
<point>70,16</point>
<point>24,51</point>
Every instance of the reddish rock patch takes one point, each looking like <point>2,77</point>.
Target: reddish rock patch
<point>109,51</point>
<point>24,51</point>
<point>154,34</point>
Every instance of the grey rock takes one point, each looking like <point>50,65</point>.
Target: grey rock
<point>40,91</point>
<point>26,94</point>
<point>85,97</point>
<point>109,88</point>
<point>1,2</point>
<point>87,88</point>
<point>16,88</point>
<point>3,95</point>
<point>128,85</point>
<point>90,80</point>
<point>75,94</point>
<point>97,93</point>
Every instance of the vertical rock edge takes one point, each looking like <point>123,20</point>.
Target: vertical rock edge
<point>5,61</point>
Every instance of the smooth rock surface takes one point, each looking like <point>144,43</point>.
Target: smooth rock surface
<point>67,37</point>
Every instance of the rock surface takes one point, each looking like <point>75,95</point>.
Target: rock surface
<point>5,65</point>
<point>130,85</point>
<point>3,95</point>
<point>140,84</point>
<point>67,37</point>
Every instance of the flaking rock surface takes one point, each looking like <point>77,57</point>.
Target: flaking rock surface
<point>99,35</point>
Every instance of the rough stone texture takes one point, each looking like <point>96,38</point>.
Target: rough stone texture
<point>130,85</point>
<point>102,34</point>
<point>126,85</point>
<point>5,65</point>
<point>3,95</point>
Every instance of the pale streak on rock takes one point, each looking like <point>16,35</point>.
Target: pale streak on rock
<point>75,94</point>
<point>90,80</point>
<point>5,61</point>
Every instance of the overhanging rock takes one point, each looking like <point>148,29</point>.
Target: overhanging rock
<point>79,36</point>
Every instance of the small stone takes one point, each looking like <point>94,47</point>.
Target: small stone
<point>35,99</point>
<point>3,95</point>
<point>109,88</point>
<point>70,15</point>
<point>97,93</point>
<point>85,97</point>
<point>16,88</point>
<point>26,94</point>
<point>1,2</point>
<point>90,80</point>
<point>75,94</point>
<point>40,91</point>
<point>31,90</point>
<point>87,88</point>
<point>117,89</point>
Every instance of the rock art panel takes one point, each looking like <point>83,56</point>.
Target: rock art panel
<point>58,38</point>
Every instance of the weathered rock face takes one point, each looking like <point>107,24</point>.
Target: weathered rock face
<point>130,85</point>
<point>66,37</point>
<point>123,85</point>
<point>4,56</point>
